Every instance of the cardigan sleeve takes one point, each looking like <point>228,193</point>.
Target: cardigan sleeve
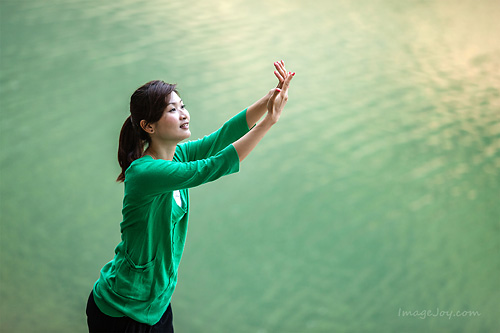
<point>154,177</point>
<point>208,146</point>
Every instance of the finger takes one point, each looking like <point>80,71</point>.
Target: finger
<point>281,69</point>
<point>280,78</point>
<point>275,94</point>
<point>280,74</point>
<point>286,83</point>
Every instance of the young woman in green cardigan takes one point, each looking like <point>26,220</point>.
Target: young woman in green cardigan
<point>134,289</point>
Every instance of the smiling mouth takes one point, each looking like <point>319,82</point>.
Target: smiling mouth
<point>185,126</point>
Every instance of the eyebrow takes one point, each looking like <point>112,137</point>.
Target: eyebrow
<point>174,103</point>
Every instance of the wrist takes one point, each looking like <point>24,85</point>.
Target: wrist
<point>269,120</point>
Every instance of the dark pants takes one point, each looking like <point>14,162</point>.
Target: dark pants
<point>99,322</point>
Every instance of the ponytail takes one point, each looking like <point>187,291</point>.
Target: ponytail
<point>130,146</point>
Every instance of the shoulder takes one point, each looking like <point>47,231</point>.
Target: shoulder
<point>140,162</point>
<point>143,165</point>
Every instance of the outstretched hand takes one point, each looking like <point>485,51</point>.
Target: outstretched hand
<point>279,97</point>
<point>275,100</point>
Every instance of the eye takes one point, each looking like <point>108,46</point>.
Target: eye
<point>172,110</point>
<point>183,106</point>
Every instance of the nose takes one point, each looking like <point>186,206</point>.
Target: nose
<point>184,114</point>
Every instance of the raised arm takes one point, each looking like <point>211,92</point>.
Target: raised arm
<point>234,128</point>
<point>208,146</point>
<point>274,107</point>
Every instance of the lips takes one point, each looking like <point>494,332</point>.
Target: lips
<point>185,126</point>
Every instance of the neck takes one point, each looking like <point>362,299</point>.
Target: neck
<point>163,151</point>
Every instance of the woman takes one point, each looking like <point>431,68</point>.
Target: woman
<point>134,290</point>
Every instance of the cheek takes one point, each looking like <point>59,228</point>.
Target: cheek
<point>169,120</point>
<point>166,125</point>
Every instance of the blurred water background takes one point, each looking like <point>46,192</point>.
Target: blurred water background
<point>377,193</point>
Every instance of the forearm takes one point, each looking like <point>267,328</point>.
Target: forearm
<point>257,110</point>
<point>249,141</point>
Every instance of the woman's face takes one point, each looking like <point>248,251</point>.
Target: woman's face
<point>173,125</point>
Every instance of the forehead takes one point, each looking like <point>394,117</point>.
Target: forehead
<point>173,98</point>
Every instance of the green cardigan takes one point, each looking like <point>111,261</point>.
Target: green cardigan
<point>142,276</point>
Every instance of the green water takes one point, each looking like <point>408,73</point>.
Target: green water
<point>376,193</point>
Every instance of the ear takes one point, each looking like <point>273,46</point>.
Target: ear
<point>147,127</point>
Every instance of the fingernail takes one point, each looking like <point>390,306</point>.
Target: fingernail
<point>293,73</point>
<point>278,89</point>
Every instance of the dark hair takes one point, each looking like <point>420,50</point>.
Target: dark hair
<point>147,103</point>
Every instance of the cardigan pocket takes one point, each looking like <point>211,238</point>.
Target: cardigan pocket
<point>134,281</point>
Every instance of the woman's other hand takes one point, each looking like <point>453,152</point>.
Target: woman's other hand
<point>279,96</point>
